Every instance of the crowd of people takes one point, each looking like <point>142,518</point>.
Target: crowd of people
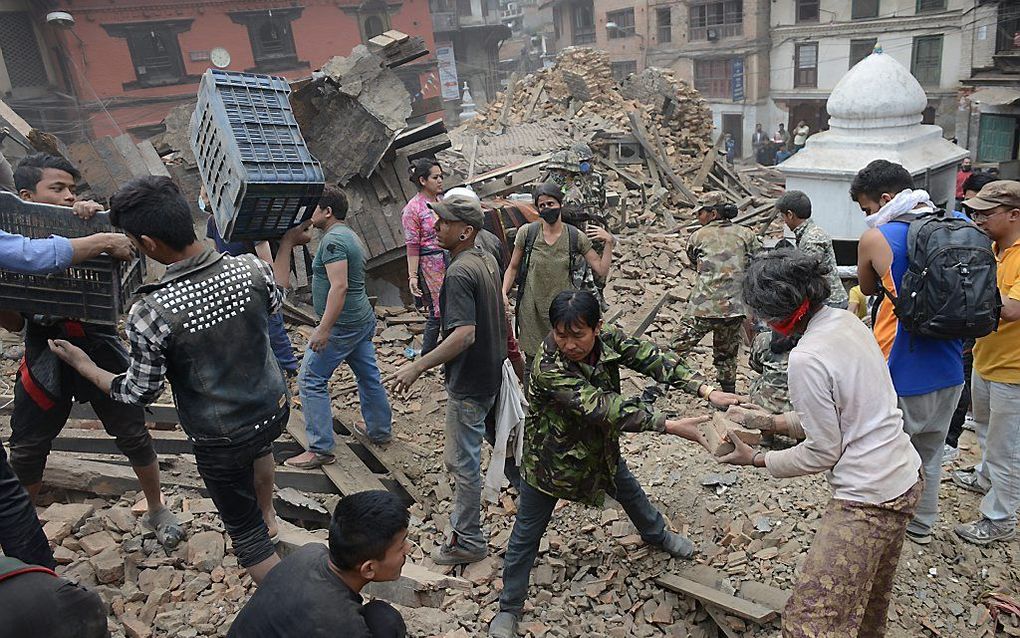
<point>876,410</point>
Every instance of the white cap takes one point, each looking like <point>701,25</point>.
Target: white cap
<point>461,190</point>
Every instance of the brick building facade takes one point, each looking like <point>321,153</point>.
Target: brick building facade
<point>128,63</point>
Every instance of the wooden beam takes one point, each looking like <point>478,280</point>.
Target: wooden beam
<point>709,596</point>
<point>706,164</point>
<point>637,127</point>
<point>155,413</point>
<point>508,101</point>
<point>649,316</point>
<point>534,100</point>
<point>349,473</point>
<point>472,156</point>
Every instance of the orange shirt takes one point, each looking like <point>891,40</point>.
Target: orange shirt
<point>997,356</point>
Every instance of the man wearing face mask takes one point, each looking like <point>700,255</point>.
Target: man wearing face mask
<point>550,256</point>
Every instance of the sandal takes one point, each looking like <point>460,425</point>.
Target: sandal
<point>165,526</point>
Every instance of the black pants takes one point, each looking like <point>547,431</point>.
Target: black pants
<point>960,414</point>
<point>41,605</point>
<point>229,475</point>
<point>383,620</point>
<point>21,535</point>
<point>34,428</point>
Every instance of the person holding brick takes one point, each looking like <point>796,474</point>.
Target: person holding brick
<point>846,408</point>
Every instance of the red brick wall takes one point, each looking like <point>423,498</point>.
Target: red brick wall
<point>323,30</point>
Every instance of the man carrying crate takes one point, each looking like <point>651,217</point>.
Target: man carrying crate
<point>205,328</point>
<point>45,388</point>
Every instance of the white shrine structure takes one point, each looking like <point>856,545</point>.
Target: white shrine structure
<point>874,113</point>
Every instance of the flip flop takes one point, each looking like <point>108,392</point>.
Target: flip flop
<point>165,525</point>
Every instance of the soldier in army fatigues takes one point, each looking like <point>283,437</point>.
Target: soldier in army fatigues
<point>770,355</point>
<point>719,251</point>
<point>572,436</point>
<point>795,207</point>
<point>584,188</point>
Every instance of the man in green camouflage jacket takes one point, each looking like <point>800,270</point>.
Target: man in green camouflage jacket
<point>571,440</point>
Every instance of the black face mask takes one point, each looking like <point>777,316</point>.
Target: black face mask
<point>549,215</point>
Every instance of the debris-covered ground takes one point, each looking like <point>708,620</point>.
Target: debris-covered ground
<point>593,576</point>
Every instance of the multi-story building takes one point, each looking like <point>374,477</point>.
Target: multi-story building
<point>815,42</point>
<point>722,48</point>
<point>468,36</point>
<point>988,118</point>
<point>124,65</point>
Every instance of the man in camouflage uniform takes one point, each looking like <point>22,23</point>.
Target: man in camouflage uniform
<point>572,443</point>
<point>719,251</point>
<point>770,389</point>
<point>795,207</point>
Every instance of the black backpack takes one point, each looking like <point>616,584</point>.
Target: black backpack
<point>949,290</point>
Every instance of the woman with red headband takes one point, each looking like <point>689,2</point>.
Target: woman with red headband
<point>845,410</point>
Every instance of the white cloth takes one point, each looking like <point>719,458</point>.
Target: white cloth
<point>511,408</point>
<point>904,202</point>
<point>841,389</point>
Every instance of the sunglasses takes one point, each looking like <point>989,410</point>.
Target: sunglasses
<point>979,215</point>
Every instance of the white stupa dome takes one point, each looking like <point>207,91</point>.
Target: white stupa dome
<point>878,92</point>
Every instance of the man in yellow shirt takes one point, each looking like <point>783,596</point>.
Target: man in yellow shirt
<point>995,385</point>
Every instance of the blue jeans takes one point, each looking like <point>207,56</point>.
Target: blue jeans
<point>353,345</point>
<point>280,341</point>
<point>465,428</point>
<point>535,508</point>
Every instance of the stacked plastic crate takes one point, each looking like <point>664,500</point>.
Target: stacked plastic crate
<point>97,291</point>
<point>258,173</point>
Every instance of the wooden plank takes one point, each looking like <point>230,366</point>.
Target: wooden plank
<point>348,473</point>
<point>720,621</point>
<point>471,157</point>
<point>650,315</point>
<point>153,164</point>
<point>132,156</point>
<point>105,479</point>
<point>637,128</point>
<point>386,457</point>
<point>534,101</point>
<point>626,177</point>
<point>508,101</point>
<point>300,272</point>
<point>155,413</point>
<point>765,595</point>
<point>657,139</point>
<point>709,596</point>
<point>706,164</point>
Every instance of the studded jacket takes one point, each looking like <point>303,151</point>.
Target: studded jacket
<point>204,327</point>
<point>572,432</point>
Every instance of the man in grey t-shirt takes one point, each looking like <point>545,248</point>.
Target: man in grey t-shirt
<point>473,350</point>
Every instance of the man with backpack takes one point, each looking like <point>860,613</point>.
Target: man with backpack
<point>916,324</point>
<point>996,379</point>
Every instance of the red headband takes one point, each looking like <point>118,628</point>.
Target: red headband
<point>785,327</point>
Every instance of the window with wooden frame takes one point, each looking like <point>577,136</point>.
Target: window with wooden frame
<point>805,66</point>
<point>861,9</point>
<point>715,20</point>
<point>807,10</point>
<point>664,24</point>
<point>860,49</point>
<point>713,79</point>
<point>925,6</point>
<point>271,36</point>
<point>926,60</point>
<point>582,21</point>
<point>155,51</point>
<point>624,21</point>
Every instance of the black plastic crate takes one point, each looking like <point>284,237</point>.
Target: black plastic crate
<point>259,175</point>
<point>96,291</point>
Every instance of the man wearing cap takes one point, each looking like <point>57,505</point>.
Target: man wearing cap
<point>995,384</point>
<point>472,351</point>
<point>719,252</point>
